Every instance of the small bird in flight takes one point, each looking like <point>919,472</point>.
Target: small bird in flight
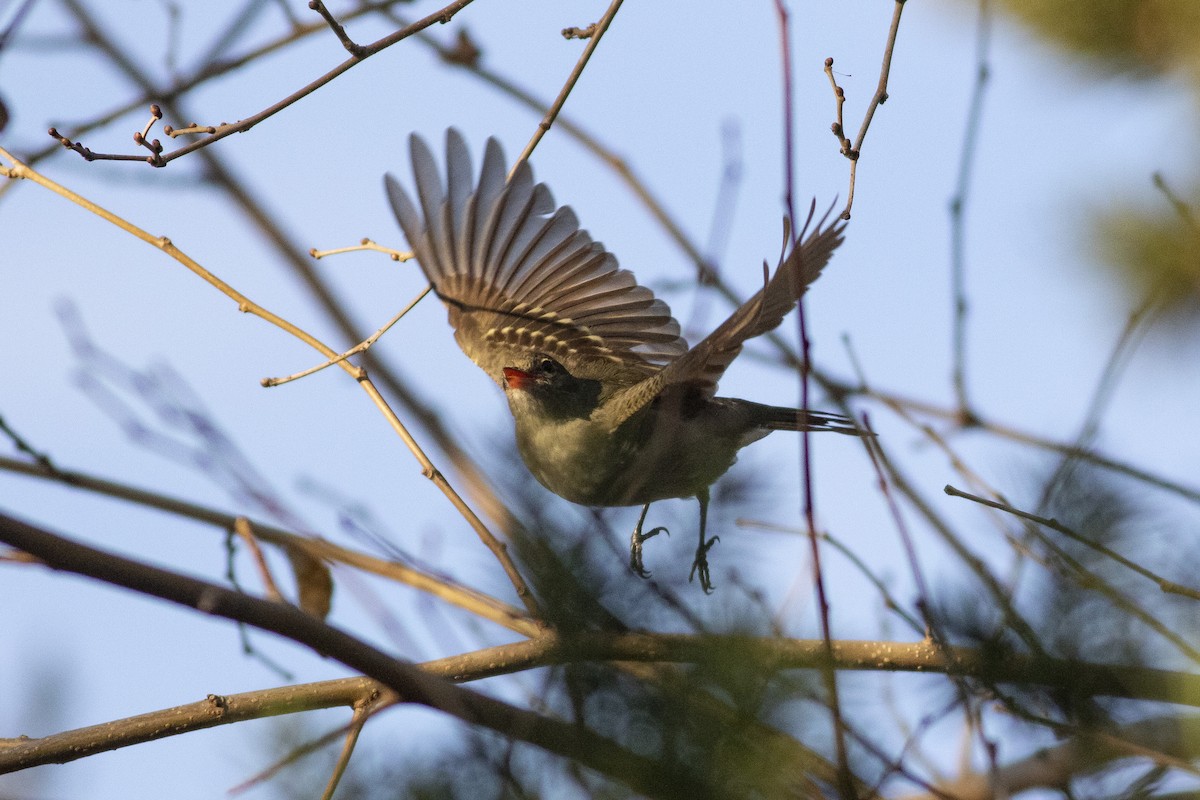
<point>612,408</point>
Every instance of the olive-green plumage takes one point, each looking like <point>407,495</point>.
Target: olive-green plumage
<point>611,406</point>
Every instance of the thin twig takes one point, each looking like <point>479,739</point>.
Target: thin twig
<point>384,699</point>
<point>498,548</point>
<point>646,775</point>
<point>359,53</point>
<point>839,101</point>
<point>245,532</point>
<point>364,245</point>
<point>361,347</point>
<point>873,447</point>
<point>228,179</point>
<point>24,446</point>
<point>356,50</point>
<point>1184,210</point>
<point>1102,395</point>
<point>889,600</point>
<point>1072,568</point>
<point>210,69</point>
<point>1168,586</point>
<point>845,781</point>
<point>841,389</point>
<point>362,712</point>
<point>854,152</point>
<point>440,586</point>
<point>967,698</point>
<point>596,34</point>
<point>958,205</point>
<point>885,69</point>
<point>996,591</point>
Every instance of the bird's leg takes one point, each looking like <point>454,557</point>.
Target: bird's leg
<point>635,543</point>
<point>700,565</point>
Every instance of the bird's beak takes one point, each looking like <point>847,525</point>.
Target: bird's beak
<point>517,378</point>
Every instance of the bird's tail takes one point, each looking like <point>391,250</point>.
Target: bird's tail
<point>780,418</point>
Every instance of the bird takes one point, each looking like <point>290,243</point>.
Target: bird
<point>611,406</point>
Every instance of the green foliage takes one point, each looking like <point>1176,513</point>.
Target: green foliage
<point>1140,36</point>
<point>1159,253</point>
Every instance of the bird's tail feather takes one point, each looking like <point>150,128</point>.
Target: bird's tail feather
<point>780,418</point>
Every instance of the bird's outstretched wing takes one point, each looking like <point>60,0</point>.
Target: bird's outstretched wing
<point>702,366</point>
<point>520,277</point>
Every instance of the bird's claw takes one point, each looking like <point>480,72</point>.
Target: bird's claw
<point>635,548</point>
<point>700,565</point>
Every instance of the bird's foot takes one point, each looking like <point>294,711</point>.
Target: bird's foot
<point>635,548</point>
<point>700,565</point>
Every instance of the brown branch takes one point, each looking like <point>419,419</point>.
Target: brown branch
<point>1161,739</point>
<point>840,389</point>
<point>209,70</point>
<point>829,677</point>
<point>361,347</point>
<point>499,549</point>
<point>1167,586</point>
<point>440,586</point>
<point>854,151</point>
<point>245,531</point>
<point>1072,568</point>
<point>354,49</point>
<point>215,710</point>
<point>410,682</point>
<point>839,124</point>
<point>958,204</point>
<point>361,714</point>
<point>775,654</point>
<point>596,33</point>
<point>359,53</point>
<point>476,482</point>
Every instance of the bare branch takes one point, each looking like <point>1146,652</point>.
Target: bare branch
<point>1168,586</point>
<point>853,152</point>
<point>440,586</point>
<point>958,204</point>
<point>498,548</point>
<point>359,54</point>
<point>648,776</point>
<point>595,34</point>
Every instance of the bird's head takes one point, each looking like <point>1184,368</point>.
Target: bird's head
<point>545,388</point>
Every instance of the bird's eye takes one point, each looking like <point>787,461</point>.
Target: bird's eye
<point>548,365</point>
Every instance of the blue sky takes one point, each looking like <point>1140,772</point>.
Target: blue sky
<point>1058,140</point>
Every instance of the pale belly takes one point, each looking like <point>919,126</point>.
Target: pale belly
<point>583,464</point>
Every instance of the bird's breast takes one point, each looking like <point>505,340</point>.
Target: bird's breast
<point>641,462</point>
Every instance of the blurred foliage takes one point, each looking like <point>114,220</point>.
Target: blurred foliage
<point>736,724</point>
<point>1159,253</point>
<point>718,720</point>
<point>1157,249</point>
<point>1081,604</point>
<point>1138,36</point>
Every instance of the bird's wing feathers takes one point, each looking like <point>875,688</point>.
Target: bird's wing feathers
<point>520,277</point>
<point>766,309</point>
<point>703,365</point>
